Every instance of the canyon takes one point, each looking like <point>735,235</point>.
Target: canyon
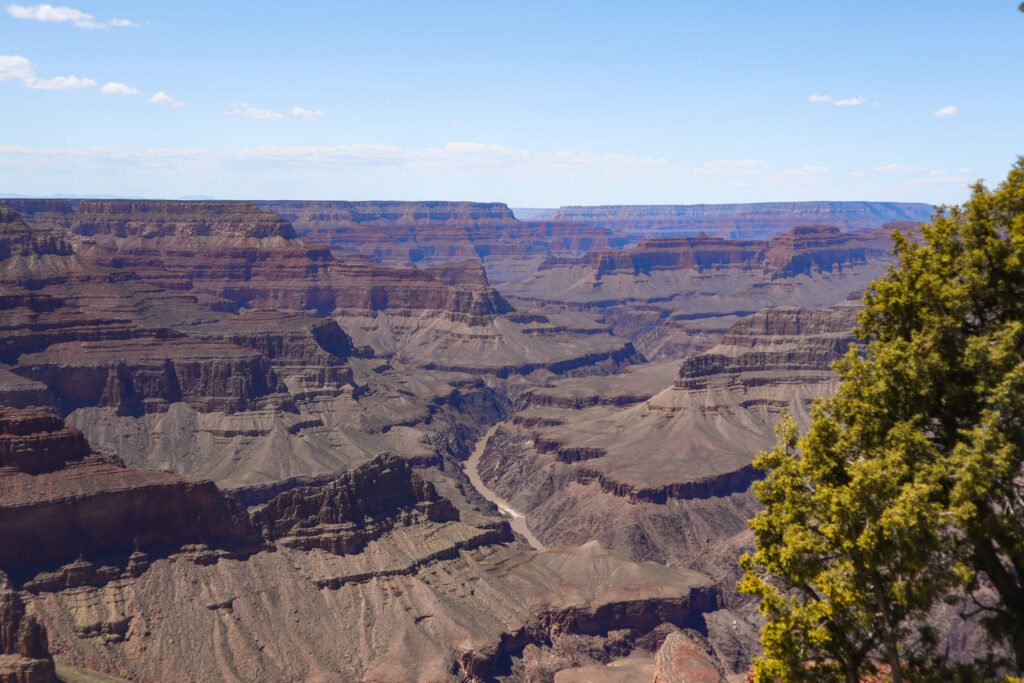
<point>464,445</point>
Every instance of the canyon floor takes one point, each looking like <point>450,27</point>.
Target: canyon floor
<point>402,441</point>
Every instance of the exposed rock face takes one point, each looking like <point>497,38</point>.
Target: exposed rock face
<point>206,338</point>
<point>342,516</point>
<point>682,660</point>
<point>59,501</point>
<point>665,476</point>
<point>439,232</point>
<point>235,254</point>
<point>36,441</point>
<point>146,375</point>
<point>745,221</point>
<point>823,248</point>
<point>675,296</point>
<point>408,587</point>
<point>660,477</point>
<point>18,240</point>
<point>24,650</point>
<point>155,218</point>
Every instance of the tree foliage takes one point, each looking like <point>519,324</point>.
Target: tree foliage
<point>907,487</point>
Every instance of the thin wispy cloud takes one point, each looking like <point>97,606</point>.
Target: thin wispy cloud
<point>805,175</point>
<point>942,180</point>
<point>897,169</point>
<point>165,100</point>
<point>265,169</point>
<point>454,156</point>
<point>247,111</point>
<point>924,176</point>
<point>65,15</point>
<point>114,88</point>
<point>837,101</point>
<point>307,114</point>
<point>731,167</point>
<point>944,112</point>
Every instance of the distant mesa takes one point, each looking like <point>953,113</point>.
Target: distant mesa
<point>742,221</point>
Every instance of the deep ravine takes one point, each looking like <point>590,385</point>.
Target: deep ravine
<point>516,519</point>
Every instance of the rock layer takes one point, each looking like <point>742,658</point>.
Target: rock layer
<point>376,557</point>
<point>24,648</point>
<point>744,221</point>
<point>59,501</point>
<point>675,296</point>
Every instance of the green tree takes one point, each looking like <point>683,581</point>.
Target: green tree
<point>908,485</point>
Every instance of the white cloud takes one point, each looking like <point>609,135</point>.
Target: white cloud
<point>113,88</point>
<point>307,114</point>
<point>837,101</point>
<point>15,68</point>
<point>731,167</point>
<point>165,100</point>
<point>926,176</point>
<point>942,113</point>
<point>471,168</point>
<point>247,111</point>
<point>18,68</point>
<point>894,169</point>
<point>850,102</point>
<point>454,156</point>
<point>942,179</point>
<point>799,176</point>
<point>62,15</point>
<point>61,83</point>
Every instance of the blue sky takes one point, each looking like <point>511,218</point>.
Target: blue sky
<point>531,103</point>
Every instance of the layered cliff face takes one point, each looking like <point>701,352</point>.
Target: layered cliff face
<point>126,218</point>
<point>18,240</point>
<point>357,507</point>
<point>211,341</point>
<point>655,463</point>
<point>689,445</point>
<point>60,501</point>
<point>428,233</point>
<point>24,648</point>
<point>410,585</point>
<point>741,221</point>
<point>676,296</point>
<point>235,254</point>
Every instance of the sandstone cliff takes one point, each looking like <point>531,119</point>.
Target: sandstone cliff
<point>60,501</point>
<point>24,649</point>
